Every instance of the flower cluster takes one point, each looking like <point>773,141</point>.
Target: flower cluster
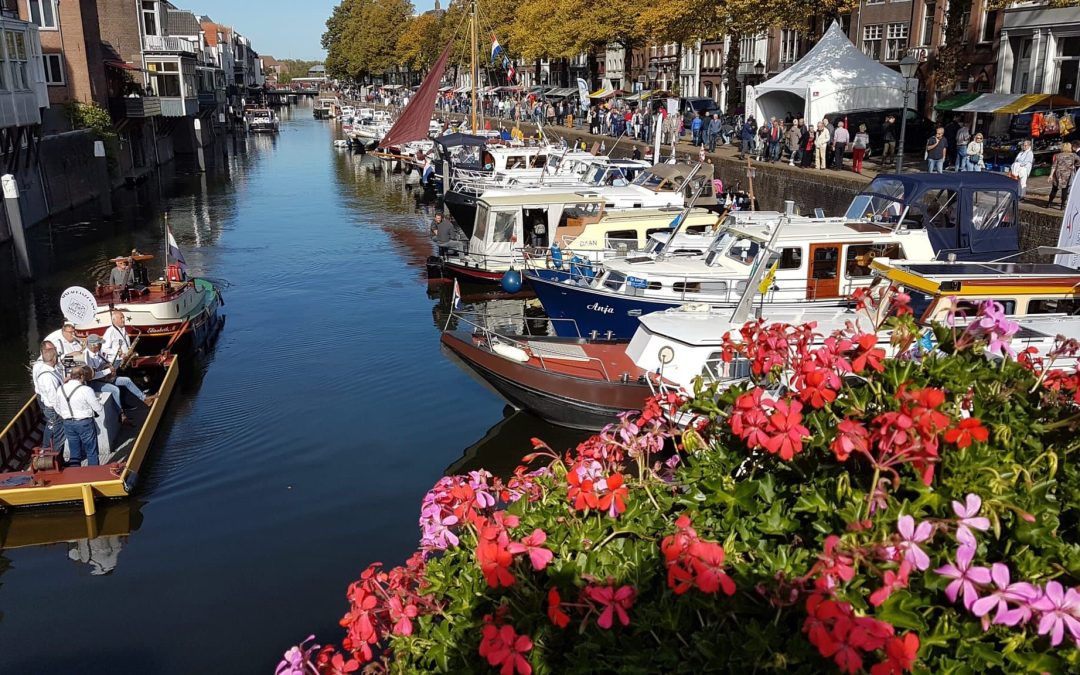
<point>848,639</point>
<point>774,425</point>
<point>385,603</point>
<point>693,562</point>
<point>590,487</point>
<point>993,326</point>
<point>453,501</point>
<point>504,648</point>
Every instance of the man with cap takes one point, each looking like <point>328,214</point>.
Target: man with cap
<point>122,275</point>
<point>117,343</point>
<point>64,339</point>
<point>48,377</point>
<point>105,378</point>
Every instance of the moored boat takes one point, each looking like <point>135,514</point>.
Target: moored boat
<point>32,476</point>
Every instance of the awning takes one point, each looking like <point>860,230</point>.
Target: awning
<point>604,92</point>
<point>1032,100</point>
<point>488,90</point>
<point>391,86</point>
<point>562,91</point>
<point>445,89</point>
<point>122,65</point>
<point>956,101</point>
<point>516,87</point>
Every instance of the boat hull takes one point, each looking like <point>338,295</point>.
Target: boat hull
<point>565,400</point>
<point>441,268</point>
<point>462,208</point>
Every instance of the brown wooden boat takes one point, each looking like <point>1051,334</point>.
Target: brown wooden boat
<point>24,483</point>
<point>555,378</point>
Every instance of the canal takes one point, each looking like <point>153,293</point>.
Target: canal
<point>291,456</point>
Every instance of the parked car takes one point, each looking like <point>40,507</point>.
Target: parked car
<point>691,106</point>
<point>918,128</point>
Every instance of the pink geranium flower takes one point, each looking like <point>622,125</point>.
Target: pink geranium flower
<point>534,546</point>
<point>969,519</point>
<point>910,538</point>
<point>964,577</point>
<point>1021,594</point>
<point>1060,608</point>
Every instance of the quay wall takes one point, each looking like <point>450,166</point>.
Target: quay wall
<point>810,189</point>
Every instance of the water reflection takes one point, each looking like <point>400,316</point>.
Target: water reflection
<point>95,540</point>
<point>502,447</point>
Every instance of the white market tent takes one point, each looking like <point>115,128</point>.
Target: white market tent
<point>834,76</point>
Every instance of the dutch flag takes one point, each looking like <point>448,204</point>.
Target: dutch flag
<point>456,297</point>
<point>174,249</point>
<point>495,49</point>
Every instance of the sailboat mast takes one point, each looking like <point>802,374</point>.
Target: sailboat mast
<point>475,68</point>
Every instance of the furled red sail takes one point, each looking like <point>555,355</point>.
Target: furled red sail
<point>416,118</point>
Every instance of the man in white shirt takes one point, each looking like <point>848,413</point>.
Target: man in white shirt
<point>117,343</point>
<point>48,377</point>
<point>78,404</point>
<point>105,377</point>
<point>65,340</point>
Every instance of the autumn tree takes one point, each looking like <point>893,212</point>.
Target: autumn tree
<point>419,43</point>
<point>361,36</point>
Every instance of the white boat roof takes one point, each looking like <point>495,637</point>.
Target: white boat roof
<point>670,213</point>
<point>630,193</point>
<point>528,197</point>
<point>698,329</point>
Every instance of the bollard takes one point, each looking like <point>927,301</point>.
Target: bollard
<point>199,153</point>
<point>14,216</point>
<point>105,205</point>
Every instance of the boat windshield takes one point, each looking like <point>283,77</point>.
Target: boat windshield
<point>882,200</point>
<point>744,250</point>
<point>649,180</point>
<point>719,246</point>
<point>608,176</point>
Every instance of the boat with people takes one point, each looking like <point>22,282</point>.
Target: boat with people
<point>32,473</point>
<point>585,382</point>
<point>175,309</point>
<point>821,260</point>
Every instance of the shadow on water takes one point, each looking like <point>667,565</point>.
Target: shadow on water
<point>502,447</point>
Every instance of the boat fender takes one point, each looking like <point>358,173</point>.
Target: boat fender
<point>556,256</point>
<point>695,307</point>
<point>510,352</point>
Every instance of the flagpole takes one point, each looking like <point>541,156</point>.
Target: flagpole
<point>166,221</point>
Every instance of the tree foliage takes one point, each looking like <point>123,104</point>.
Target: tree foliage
<point>292,68</point>
<point>362,35</point>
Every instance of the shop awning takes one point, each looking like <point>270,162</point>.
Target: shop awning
<point>445,89</point>
<point>563,91</point>
<point>391,86</point>
<point>516,87</point>
<point>605,92</point>
<point>954,102</point>
<point>122,65</point>
<point>463,90</point>
<point>1032,100</point>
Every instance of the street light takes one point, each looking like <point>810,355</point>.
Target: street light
<point>759,68</point>
<point>908,66</point>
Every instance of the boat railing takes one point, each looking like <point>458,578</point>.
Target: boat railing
<point>491,336</point>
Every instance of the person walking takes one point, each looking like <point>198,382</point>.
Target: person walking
<point>821,141</point>
<point>714,131</point>
<point>935,151</point>
<point>974,153</point>
<point>1021,166</point>
<point>791,140</point>
<point>746,137</point>
<point>776,135</point>
<point>695,130</point>
<point>858,148</point>
<point>1061,173</point>
<point>888,153</point>
<point>963,137</point>
<point>840,139</point>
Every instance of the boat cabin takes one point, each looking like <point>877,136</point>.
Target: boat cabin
<point>677,178</point>
<point>1023,289</point>
<point>972,215</point>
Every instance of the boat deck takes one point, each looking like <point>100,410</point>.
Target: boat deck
<point>605,361</point>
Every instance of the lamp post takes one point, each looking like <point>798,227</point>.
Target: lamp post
<point>908,65</point>
<point>759,69</point>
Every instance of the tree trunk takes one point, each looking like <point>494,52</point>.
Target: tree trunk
<point>731,73</point>
<point>677,88</point>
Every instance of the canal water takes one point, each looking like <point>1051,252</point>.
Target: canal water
<point>291,456</point>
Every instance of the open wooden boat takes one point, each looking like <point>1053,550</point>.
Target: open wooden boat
<point>121,457</point>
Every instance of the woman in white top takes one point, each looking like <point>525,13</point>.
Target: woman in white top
<point>1021,166</point>
<point>78,404</point>
<point>821,141</point>
<point>975,153</point>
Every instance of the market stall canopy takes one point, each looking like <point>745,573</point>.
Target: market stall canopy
<point>954,102</point>
<point>640,96</point>
<point>605,92</point>
<point>560,92</point>
<point>1015,103</point>
<point>833,77</point>
<point>463,90</point>
<point>391,86</point>
<point>446,88</point>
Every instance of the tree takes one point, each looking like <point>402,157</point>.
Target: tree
<point>361,36</point>
<point>419,43</point>
<point>293,68</point>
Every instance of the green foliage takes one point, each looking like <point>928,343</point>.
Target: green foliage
<point>293,68</point>
<point>89,116</point>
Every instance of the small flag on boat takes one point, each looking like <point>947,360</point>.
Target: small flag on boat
<point>770,277</point>
<point>456,298</point>
<point>495,49</point>
<point>174,249</point>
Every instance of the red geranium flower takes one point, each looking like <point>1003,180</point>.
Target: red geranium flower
<point>708,561</point>
<point>508,653</point>
<point>581,491</point>
<point>900,655</point>
<point>495,560</point>
<point>970,429</point>
<point>534,546</point>
<point>851,437</point>
<point>613,500</point>
<point>613,602</point>
<point>869,354</point>
<point>784,424</point>
<point>555,612</point>
<point>748,419</point>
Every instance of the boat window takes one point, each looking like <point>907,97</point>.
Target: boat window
<point>717,369</point>
<point>686,287</point>
<point>882,200</point>
<point>621,239</point>
<point>936,208</point>
<point>859,257</point>
<point>653,230</point>
<point>503,231</point>
<point>696,229</point>
<point>744,251</point>
<point>991,209</point>
<point>515,162</point>
<point>480,226</point>
<point>1069,306</point>
<point>824,265</point>
<point>539,161</point>
<point>649,180</point>
<point>711,287</point>
<point>790,259</point>
<point>970,308</point>
<point>487,160</point>
<point>614,280</point>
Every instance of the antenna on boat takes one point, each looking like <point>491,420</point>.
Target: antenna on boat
<point>685,213</point>
<point>165,226</point>
<point>742,310</point>
<point>475,75</point>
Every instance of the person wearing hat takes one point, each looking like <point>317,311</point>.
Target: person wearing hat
<point>105,378</point>
<point>64,339</point>
<point>122,275</point>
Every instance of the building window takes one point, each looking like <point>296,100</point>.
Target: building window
<point>928,24</point>
<point>149,17</point>
<point>54,68</point>
<point>164,78</point>
<point>989,31</point>
<point>896,41</point>
<point>872,41</point>
<point>15,44</point>
<point>789,46</point>
<point>746,48</point>
<point>874,2</point>
<point>43,13</point>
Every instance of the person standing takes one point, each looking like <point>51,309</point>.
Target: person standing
<point>48,378</point>
<point>695,130</point>
<point>443,231</point>
<point>791,141</point>
<point>121,276</point>
<point>776,135</point>
<point>858,148</point>
<point>117,343</point>
<point>974,153</point>
<point>1061,173</point>
<point>806,144</point>
<point>963,137</point>
<point>888,154</point>
<point>746,137</point>
<point>840,139</point>
<point>935,151</point>
<point>714,131</point>
<point>952,128</point>
<point>1021,166</point>
<point>78,404</point>
<point>821,141</point>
